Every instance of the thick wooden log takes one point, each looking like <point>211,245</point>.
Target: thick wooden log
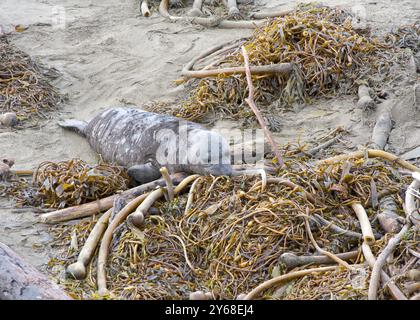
<point>21,281</point>
<point>91,208</point>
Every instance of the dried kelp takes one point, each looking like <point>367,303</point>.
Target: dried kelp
<point>68,183</point>
<point>25,87</point>
<point>73,182</point>
<point>328,55</point>
<point>231,238</point>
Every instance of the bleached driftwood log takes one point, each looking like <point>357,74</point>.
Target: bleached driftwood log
<point>21,281</point>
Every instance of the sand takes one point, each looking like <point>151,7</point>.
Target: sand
<point>108,55</point>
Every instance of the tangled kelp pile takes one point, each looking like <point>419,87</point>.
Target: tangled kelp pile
<point>69,183</point>
<point>328,57</point>
<point>233,236</point>
<point>407,37</point>
<point>25,88</point>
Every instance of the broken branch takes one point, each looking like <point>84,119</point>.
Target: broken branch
<point>251,103</point>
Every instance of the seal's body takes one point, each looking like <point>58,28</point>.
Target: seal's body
<point>146,141</point>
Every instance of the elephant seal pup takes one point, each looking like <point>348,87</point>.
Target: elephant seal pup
<point>145,141</point>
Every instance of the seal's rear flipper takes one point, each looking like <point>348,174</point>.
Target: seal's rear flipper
<point>144,173</point>
<point>74,125</point>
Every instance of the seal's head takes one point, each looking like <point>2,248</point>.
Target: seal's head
<point>208,153</point>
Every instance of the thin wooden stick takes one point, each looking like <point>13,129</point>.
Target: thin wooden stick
<point>280,68</point>
<point>365,225</point>
<point>283,278</point>
<point>371,153</point>
<point>251,103</point>
<point>291,260</point>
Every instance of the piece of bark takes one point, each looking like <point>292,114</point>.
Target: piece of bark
<point>21,281</point>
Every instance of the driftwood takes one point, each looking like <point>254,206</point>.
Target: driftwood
<point>209,22</point>
<point>98,206</point>
<point>21,281</point>
<point>252,105</point>
<point>291,260</point>
<point>382,129</point>
<point>271,14</point>
<point>281,68</point>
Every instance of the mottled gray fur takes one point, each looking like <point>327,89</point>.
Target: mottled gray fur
<point>146,141</point>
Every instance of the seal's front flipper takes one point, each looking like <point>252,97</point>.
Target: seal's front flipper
<point>144,173</point>
<point>74,125</point>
